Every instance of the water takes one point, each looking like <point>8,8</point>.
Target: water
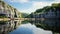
<point>15,27</point>
<point>29,29</point>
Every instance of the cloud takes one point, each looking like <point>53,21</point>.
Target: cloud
<point>40,4</point>
<point>19,1</point>
<point>57,0</point>
<point>29,10</point>
<point>37,5</point>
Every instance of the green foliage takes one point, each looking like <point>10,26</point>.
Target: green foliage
<point>47,8</point>
<point>56,4</point>
<point>3,22</point>
<point>3,16</point>
<point>2,3</point>
<point>24,15</point>
<point>53,8</point>
<point>25,21</point>
<point>38,10</point>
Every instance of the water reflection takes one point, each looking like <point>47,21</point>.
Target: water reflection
<point>23,29</point>
<point>48,24</point>
<point>5,27</point>
<point>15,27</point>
<point>8,26</point>
<point>29,29</point>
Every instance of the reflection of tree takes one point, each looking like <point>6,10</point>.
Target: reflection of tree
<point>2,22</point>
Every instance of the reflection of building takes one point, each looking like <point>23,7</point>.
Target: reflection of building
<point>7,10</point>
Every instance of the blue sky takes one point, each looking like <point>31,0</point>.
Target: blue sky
<point>28,6</point>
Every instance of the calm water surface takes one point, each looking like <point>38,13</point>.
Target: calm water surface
<point>15,27</point>
<point>29,29</point>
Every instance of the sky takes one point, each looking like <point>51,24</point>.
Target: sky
<point>29,6</point>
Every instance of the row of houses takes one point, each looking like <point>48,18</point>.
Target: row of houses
<point>8,11</point>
